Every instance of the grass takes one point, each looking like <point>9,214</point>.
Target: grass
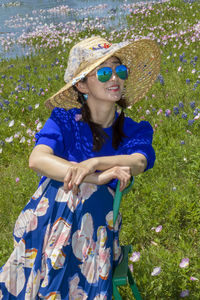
<point>167,195</point>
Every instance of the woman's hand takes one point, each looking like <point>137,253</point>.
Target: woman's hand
<point>121,173</point>
<point>77,172</point>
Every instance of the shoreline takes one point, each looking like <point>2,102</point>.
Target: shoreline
<point>52,34</point>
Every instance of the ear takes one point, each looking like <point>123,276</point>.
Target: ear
<point>82,87</point>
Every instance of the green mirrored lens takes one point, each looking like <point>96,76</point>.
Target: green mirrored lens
<point>104,74</point>
<point>122,71</point>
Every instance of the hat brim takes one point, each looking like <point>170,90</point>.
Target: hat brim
<point>142,57</point>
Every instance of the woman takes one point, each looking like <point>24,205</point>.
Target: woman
<point>65,243</point>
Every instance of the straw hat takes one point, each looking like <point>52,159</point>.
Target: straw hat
<point>142,58</point>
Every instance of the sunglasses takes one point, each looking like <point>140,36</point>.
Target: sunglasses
<point>105,73</point>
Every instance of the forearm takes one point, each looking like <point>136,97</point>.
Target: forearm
<point>137,162</point>
<point>43,161</point>
<point>49,165</point>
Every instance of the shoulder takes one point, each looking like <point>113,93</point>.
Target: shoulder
<point>132,127</point>
<point>62,116</point>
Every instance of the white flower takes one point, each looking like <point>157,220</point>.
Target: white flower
<point>37,105</point>
<point>179,69</point>
<point>156,271</point>
<point>9,139</point>
<point>39,125</point>
<point>11,123</point>
<point>16,135</point>
<point>22,140</point>
<point>197,117</point>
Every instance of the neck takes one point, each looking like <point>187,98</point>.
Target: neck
<point>103,115</point>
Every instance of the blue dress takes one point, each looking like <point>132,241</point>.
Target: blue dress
<point>66,245</point>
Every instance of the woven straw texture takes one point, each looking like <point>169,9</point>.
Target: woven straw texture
<point>142,58</point>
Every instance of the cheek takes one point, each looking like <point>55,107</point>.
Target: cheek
<point>122,82</point>
<point>94,84</point>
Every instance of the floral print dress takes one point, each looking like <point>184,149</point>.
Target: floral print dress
<point>65,244</point>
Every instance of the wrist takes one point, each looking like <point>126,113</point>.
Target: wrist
<point>94,163</point>
<point>92,178</point>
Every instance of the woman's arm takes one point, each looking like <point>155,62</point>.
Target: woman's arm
<point>43,161</point>
<point>136,161</point>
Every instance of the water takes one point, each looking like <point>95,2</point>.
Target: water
<point>19,18</point>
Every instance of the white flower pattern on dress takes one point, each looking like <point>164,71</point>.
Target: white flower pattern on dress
<point>51,296</point>
<point>101,297</point>
<point>75,292</point>
<point>54,241</point>
<point>28,221</point>
<point>13,274</point>
<point>94,257</point>
<point>109,220</point>
<point>40,189</point>
<point>87,189</point>
<point>32,285</point>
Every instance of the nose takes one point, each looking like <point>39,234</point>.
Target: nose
<point>114,75</point>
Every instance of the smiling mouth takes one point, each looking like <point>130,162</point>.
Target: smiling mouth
<point>114,88</point>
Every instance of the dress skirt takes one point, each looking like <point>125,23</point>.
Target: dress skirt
<point>65,246</point>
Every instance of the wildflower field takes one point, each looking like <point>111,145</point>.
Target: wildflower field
<point>161,215</point>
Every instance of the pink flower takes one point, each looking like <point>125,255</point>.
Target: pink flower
<point>17,179</point>
<point>159,111</point>
<point>135,256</point>
<point>184,263</point>
<point>131,268</point>
<point>188,131</point>
<point>192,278</point>
<point>156,271</point>
<point>78,117</point>
<point>158,229</point>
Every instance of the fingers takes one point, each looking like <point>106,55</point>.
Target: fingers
<point>67,180</point>
<point>124,175</point>
<point>121,173</point>
<point>76,173</point>
<point>73,178</point>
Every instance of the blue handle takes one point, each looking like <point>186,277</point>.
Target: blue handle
<point>118,197</point>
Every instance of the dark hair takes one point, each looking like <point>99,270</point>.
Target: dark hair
<point>99,135</point>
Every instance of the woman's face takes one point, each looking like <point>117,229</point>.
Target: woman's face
<point>110,90</point>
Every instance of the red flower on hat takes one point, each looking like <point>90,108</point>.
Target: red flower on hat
<point>106,46</point>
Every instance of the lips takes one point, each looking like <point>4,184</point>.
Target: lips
<point>114,88</point>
